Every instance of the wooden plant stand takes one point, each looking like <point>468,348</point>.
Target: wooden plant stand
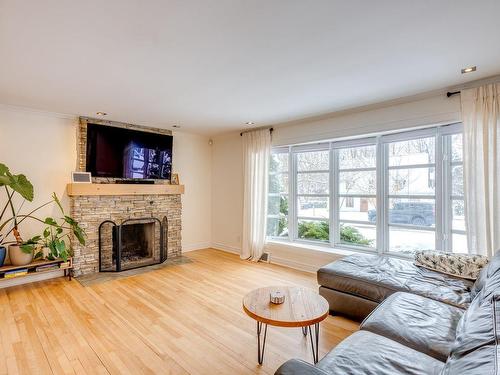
<point>68,271</point>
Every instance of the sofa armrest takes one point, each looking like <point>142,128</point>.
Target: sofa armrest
<point>298,367</point>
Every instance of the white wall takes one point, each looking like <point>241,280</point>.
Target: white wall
<point>227,192</point>
<point>429,110</point>
<point>227,165</point>
<point>192,160</point>
<point>43,147</point>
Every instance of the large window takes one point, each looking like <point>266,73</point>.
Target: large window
<point>393,193</point>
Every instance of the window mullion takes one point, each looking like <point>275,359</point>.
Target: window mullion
<point>440,189</point>
<point>292,199</point>
<point>447,190</point>
<point>382,198</point>
<point>334,209</point>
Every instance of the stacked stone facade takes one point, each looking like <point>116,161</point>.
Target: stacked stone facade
<point>91,211</point>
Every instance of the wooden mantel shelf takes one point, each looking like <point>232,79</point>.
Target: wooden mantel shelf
<point>123,189</point>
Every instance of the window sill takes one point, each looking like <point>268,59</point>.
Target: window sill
<point>316,247</point>
<point>327,249</point>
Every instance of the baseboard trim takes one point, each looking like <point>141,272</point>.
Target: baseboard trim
<point>196,246</point>
<point>31,278</point>
<point>227,248</point>
<point>274,260</point>
<point>292,264</point>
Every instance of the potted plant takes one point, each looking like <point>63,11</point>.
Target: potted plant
<point>53,238</point>
<point>13,184</point>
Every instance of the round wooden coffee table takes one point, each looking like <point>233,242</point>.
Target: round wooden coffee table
<point>302,308</point>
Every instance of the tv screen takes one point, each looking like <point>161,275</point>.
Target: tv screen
<point>124,153</point>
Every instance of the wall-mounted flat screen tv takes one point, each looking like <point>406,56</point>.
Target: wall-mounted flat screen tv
<point>125,153</point>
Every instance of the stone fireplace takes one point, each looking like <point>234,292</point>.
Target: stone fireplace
<point>145,218</point>
<point>112,211</point>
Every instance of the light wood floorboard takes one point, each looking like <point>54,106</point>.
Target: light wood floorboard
<point>184,319</point>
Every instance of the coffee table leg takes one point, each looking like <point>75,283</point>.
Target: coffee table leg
<point>260,352</point>
<point>314,341</point>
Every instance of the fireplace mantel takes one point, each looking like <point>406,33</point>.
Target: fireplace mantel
<point>123,189</point>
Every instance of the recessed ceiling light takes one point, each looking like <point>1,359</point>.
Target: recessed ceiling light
<point>249,122</point>
<point>176,126</point>
<point>468,69</point>
<point>101,113</point>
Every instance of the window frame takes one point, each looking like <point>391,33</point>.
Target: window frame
<point>437,196</point>
<point>280,150</point>
<point>336,147</point>
<point>448,164</point>
<point>443,198</point>
<point>294,151</point>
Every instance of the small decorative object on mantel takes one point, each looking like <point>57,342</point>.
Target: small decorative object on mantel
<point>174,179</point>
<point>277,297</point>
<point>81,177</point>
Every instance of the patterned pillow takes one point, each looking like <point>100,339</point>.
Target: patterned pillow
<point>461,265</point>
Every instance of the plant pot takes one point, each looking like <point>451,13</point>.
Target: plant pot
<point>19,257</point>
<point>3,254</point>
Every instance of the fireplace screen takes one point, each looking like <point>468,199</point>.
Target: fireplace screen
<point>135,243</point>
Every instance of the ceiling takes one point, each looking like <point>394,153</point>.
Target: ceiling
<point>211,66</point>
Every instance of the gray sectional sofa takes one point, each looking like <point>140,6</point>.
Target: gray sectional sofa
<point>417,321</point>
<point>357,284</point>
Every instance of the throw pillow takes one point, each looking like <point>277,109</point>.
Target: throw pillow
<point>461,265</point>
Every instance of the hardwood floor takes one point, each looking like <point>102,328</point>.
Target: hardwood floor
<point>184,319</point>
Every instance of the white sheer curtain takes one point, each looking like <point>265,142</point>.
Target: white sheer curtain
<point>481,119</point>
<point>256,154</point>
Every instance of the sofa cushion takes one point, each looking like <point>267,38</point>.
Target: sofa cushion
<point>376,277</point>
<point>475,350</point>
<point>480,282</point>
<point>367,353</point>
<point>482,361</point>
<point>420,323</point>
<point>477,326</point>
<point>460,265</point>
<point>488,273</point>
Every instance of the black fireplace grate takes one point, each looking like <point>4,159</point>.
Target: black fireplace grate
<point>123,254</point>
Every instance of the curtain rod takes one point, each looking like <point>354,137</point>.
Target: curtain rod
<point>451,93</point>
<point>247,131</point>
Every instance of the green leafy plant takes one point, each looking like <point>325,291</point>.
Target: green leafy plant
<point>13,184</point>
<point>314,230</point>
<point>55,235</point>
<point>283,221</point>
<point>319,230</point>
<point>352,235</point>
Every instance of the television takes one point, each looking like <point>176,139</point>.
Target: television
<point>128,154</point>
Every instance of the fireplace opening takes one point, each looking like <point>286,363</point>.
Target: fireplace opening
<point>135,243</point>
